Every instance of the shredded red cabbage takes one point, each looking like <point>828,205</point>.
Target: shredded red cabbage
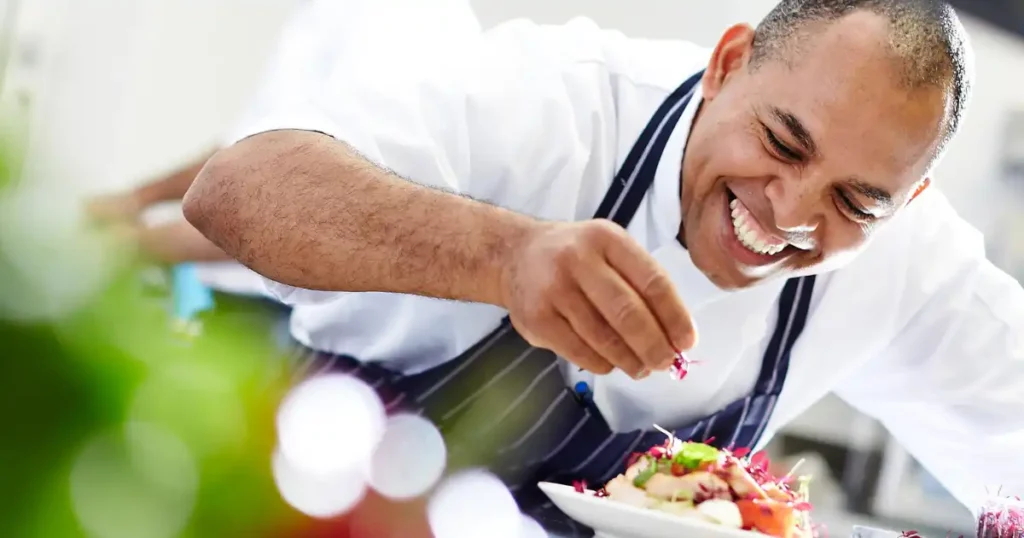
<point>741,452</point>
<point>1001,518</point>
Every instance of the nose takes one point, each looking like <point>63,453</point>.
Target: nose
<point>794,205</point>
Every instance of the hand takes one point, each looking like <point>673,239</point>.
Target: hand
<point>590,293</point>
<point>124,237</point>
<point>114,208</point>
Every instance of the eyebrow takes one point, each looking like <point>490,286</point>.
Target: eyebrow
<point>796,130</point>
<point>806,141</point>
<point>879,195</point>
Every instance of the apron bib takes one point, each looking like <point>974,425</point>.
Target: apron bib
<point>505,404</point>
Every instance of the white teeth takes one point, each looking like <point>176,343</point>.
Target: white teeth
<point>747,235</point>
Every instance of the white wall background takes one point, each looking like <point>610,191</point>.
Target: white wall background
<point>123,89</point>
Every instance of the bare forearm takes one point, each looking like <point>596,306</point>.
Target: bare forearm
<point>306,210</point>
<point>178,242</point>
<point>172,186</point>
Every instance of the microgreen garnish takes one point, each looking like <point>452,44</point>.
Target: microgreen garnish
<point>693,455</point>
<point>741,452</point>
<point>648,471</point>
<point>1001,518</point>
<point>789,476</point>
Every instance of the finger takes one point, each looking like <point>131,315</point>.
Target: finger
<point>566,343</point>
<point>595,331</point>
<point>627,314</point>
<point>654,286</point>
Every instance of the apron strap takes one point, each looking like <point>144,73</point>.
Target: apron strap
<point>794,309</point>
<point>631,183</point>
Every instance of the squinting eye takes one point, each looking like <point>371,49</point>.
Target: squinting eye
<point>781,149</point>
<point>858,213</point>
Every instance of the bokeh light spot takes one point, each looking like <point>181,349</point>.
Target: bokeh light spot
<point>329,424</point>
<point>318,495</point>
<point>409,459</point>
<point>470,501</point>
<point>532,529</point>
<point>137,483</point>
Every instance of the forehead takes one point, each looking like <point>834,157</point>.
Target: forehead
<point>844,83</point>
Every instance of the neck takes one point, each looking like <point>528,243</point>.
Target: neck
<point>682,175</point>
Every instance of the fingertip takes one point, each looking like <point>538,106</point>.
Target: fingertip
<point>686,341</point>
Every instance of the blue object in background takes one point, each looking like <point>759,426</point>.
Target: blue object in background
<point>189,296</point>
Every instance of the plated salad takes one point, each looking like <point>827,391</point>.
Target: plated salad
<point>719,486</point>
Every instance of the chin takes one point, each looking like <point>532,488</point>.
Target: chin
<point>719,268</point>
<point>733,250</point>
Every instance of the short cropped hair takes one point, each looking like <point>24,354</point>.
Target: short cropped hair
<point>926,36</point>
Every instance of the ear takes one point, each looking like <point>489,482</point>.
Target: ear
<point>730,56</point>
<point>920,189</point>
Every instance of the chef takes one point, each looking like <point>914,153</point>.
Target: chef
<point>589,204</point>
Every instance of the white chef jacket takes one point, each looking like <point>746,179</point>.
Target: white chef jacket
<point>231,277</point>
<point>920,331</point>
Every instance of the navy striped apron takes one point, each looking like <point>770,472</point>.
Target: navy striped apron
<point>505,405</point>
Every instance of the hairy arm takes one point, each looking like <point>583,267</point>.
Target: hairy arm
<point>306,210</point>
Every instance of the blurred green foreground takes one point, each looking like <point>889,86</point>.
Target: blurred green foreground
<point>114,424</point>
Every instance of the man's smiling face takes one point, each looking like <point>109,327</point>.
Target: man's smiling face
<point>793,164</point>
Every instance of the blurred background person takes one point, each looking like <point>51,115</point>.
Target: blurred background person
<point>167,243</point>
<point>301,55</point>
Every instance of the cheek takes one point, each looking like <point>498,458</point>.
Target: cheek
<point>734,151</point>
<point>841,241</point>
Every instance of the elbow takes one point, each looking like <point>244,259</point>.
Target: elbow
<point>209,205</point>
<point>192,205</point>
<point>233,196</point>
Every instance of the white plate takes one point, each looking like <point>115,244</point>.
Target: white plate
<point>611,519</point>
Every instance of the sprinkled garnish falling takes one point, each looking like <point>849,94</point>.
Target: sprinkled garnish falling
<point>680,366</point>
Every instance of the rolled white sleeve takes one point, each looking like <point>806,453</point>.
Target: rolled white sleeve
<point>300,61</point>
<point>950,386</point>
